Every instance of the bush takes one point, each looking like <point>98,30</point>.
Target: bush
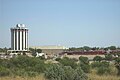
<point>85,67</point>
<point>84,64</point>
<point>54,72</point>
<point>84,60</point>
<point>97,58</point>
<point>68,62</point>
<point>80,75</point>
<point>22,66</point>
<point>69,73</point>
<point>117,65</point>
<point>58,59</point>
<point>101,67</point>
<point>103,70</point>
<point>109,57</point>
<point>99,64</point>
<point>59,72</point>
<point>4,71</point>
<point>95,64</point>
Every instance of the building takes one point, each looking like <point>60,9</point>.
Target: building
<point>51,49</point>
<point>19,38</point>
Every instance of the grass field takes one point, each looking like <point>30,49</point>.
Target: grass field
<point>41,77</point>
<point>103,77</point>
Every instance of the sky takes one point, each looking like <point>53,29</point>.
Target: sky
<point>70,23</point>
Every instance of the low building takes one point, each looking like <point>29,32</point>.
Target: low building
<point>50,50</point>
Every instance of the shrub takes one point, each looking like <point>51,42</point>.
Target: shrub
<point>4,71</point>
<point>97,58</point>
<point>103,70</point>
<point>80,75</point>
<point>25,66</point>
<point>99,64</point>
<point>95,64</point>
<point>101,67</point>
<point>69,73</point>
<point>84,59</point>
<point>54,72</point>
<point>58,59</point>
<point>68,62</point>
<point>85,67</point>
<point>117,65</point>
<point>109,57</point>
<point>84,64</point>
<point>59,72</point>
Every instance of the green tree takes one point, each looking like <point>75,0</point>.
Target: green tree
<point>86,48</point>
<point>97,58</point>
<point>72,49</point>
<point>38,50</point>
<point>31,49</point>
<point>84,64</point>
<point>85,67</point>
<point>108,57</point>
<point>112,47</point>
<point>84,59</point>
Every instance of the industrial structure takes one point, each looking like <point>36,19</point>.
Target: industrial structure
<point>19,38</point>
<point>51,49</point>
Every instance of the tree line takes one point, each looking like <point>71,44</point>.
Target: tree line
<point>87,48</point>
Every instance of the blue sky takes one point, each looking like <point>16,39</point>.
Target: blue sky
<point>63,22</point>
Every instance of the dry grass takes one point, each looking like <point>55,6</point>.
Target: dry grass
<point>41,77</point>
<point>92,76</point>
<point>104,77</point>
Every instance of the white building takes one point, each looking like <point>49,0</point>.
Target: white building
<point>51,50</point>
<point>19,38</point>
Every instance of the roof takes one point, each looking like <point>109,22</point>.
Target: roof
<point>49,47</point>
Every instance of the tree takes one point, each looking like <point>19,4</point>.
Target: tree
<point>84,59</point>
<point>97,58</point>
<point>109,57</point>
<point>32,50</point>
<point>112,47</point>
<point>3,50</point>
<point>72,49</point>
<point>95,48</point>
<point>84,64</point>
<point>85,67</point>
<point>86,48</point>
<point>38,50</point>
